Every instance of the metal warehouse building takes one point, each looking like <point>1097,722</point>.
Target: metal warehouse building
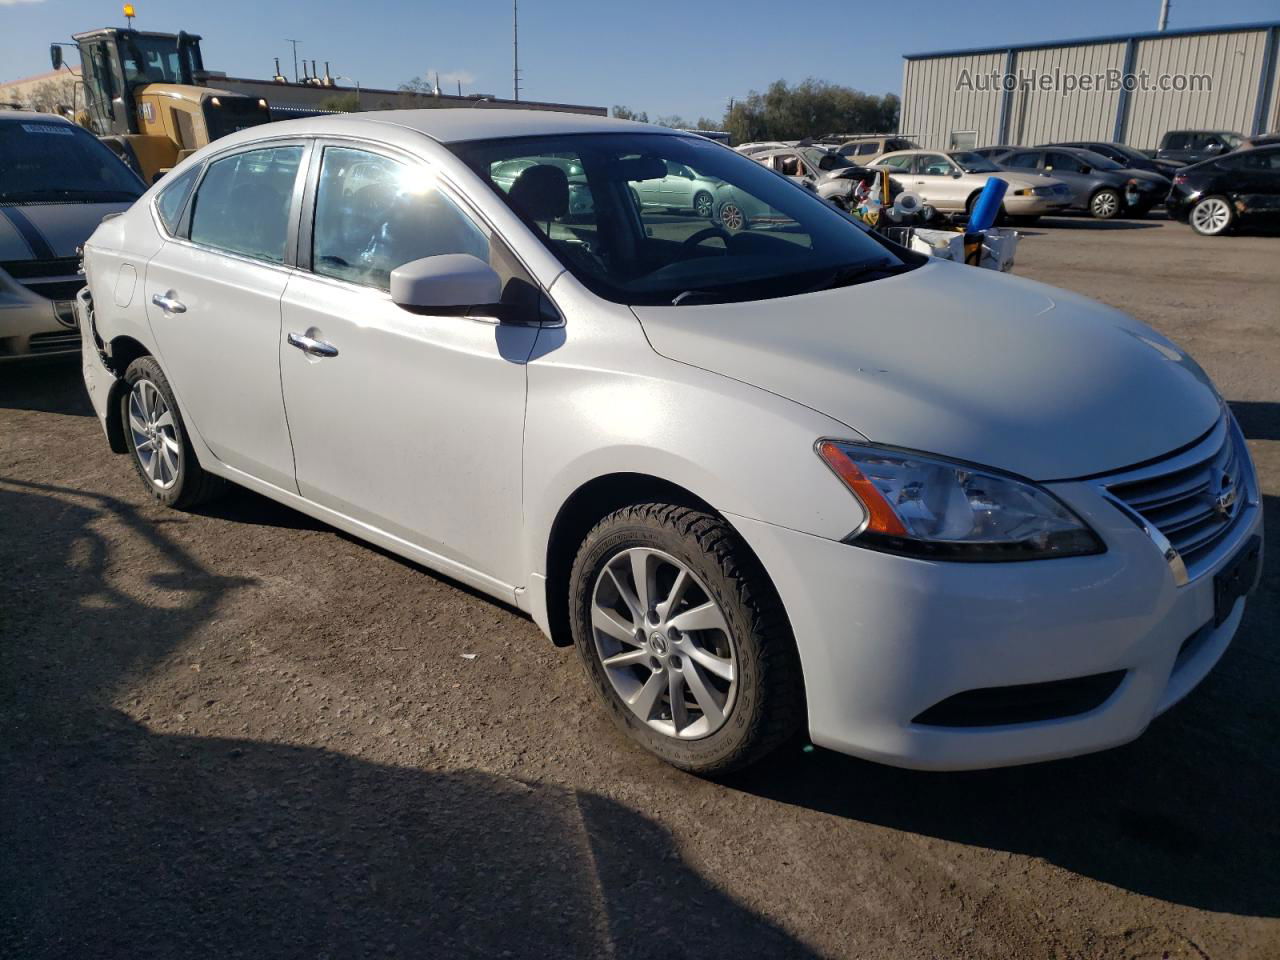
<point>1138,86</point>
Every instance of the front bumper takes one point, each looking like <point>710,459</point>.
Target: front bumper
<point>884,638</point>
<point>1032,206</point>
<point>32,326</point>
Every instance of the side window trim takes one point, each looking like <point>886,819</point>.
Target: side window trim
<point>183,221</point>
<point>291,235</point>
<point>307,206</point>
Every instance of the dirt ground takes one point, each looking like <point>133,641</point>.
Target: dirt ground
<point>238,733</point>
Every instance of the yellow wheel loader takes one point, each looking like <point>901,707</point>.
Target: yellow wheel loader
<point>145,97</point>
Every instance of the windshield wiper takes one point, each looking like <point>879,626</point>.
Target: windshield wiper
<point>695,296</point>
<point>847,276</point>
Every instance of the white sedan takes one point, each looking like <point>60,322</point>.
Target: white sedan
<point>784,479</point>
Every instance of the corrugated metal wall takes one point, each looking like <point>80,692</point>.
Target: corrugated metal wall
<point>1234,60</point>
<point>936,107</point>
<point>1036,116</point>
<point>933,108</point>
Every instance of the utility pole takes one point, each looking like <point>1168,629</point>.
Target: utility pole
<point>295,57</point>
<point>1164,16</point>
<point>515,48</point>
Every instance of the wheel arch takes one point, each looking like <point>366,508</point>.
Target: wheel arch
<point>122,351</point>
<point>587,505</point>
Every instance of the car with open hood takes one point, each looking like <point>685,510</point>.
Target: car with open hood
<point>57,182</point>
<point>793,478</point>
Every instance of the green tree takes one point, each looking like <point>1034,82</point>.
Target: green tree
<point>345,102</point>
<point>812,108</point>
<point>626,113</point>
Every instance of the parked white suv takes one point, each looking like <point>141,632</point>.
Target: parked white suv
<point>794,476</point>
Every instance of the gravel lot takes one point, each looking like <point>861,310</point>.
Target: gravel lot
<point>240,734</point>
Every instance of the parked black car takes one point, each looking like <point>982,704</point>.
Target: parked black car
<point>1099,186</point>
<point>1125,155</point>
<point>1192,146</point>
<point>1241,188</point>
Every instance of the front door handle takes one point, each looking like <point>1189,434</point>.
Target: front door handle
<point>168,303</point>
<point>311,346</point>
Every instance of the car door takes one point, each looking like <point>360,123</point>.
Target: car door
<point>414,423</point>
<point>677,186</point>
<point>935,179</point>
<point>1065,167</point>
<point>1252,181</point>
<point>212,297</point>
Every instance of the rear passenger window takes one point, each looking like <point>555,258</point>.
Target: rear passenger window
<point>242,204</point>
<point>871,148</point>
<point>1026,161</point>
<point>173,198</point>
<point>374,214</point>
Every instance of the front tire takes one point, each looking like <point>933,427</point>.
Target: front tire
<point>684,638</point>
<point>1105,204</point>
<point>703,204</point>
<point>158,442</point>
<point>1211,216</point>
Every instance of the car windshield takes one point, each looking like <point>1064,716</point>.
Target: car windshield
<point>1098,161</point>
<point>971,162</point>
<point>48,160</point>
<point>826,159</point>
<point>724,229</point>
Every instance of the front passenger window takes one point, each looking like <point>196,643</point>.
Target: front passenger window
<point>374,214</point>
<point>242,204</point>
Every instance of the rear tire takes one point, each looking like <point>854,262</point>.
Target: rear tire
<point>158,442</point>
<point>736,649</point>
<point>1211,216</point>
<point>703,204</point>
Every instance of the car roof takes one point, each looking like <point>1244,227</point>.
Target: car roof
<point>27,117</point>
<point>456,125</point>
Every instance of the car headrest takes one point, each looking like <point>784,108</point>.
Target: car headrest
<point>541,192</point>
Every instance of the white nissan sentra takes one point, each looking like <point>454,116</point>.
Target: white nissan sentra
<point>786,477</point>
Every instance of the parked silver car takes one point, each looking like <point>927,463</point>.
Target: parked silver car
<point>681,190</point>
<point>57,182</point>
<point>951,182</point>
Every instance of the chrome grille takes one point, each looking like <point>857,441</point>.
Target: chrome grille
<point>1193,498</point>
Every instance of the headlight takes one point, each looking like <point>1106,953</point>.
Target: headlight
<point>922,506</point>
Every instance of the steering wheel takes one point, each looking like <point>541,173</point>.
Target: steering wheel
<point>706,233</point>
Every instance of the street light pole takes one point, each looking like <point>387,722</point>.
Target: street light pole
<point>515,51</point>
<point>295,57</point>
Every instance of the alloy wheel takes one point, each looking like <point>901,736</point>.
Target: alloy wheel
<point>1105,205</point>
<point>1211,216</point>
<point>732,217</point>
<point>664,643</point>
<point>702,205</point>
<point>155,434</point>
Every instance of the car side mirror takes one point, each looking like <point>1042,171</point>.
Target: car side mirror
<point>957,174</point>
<point>55,55</point>
<point>1086,169</point>
<point>451,284</point>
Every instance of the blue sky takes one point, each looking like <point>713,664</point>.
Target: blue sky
<point>660,56</point>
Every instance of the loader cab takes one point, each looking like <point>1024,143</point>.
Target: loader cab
<point>115,64</point>
<point>145,95</point>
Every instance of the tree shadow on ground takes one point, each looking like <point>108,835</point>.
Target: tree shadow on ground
<point>122,842</point>
<point>1186,813</point>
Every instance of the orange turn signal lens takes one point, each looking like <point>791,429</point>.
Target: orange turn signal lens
<point>882,517</point>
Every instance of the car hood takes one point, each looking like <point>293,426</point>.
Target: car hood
<point>38,231</point>
<point>960,362</point>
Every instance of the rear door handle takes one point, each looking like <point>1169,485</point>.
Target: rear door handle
<point>311,346</point>
<point>168,303</point>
